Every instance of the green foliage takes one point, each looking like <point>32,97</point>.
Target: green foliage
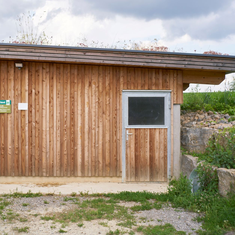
<point>208,178</point>
<point>116,232</point>
<point>22,230</point>
<point>221,149</point>
<point>215,101</point>
<point>131,196</point>
<point>20,194</point>
<point>62,231</point>
<point>166,229</point>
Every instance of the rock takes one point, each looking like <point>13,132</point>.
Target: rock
<point>226,116</point>
<point>226,181</point>
<point>200,117</point>
<point>222,121</point>
<point>188,164</point>
<point>195,139</point>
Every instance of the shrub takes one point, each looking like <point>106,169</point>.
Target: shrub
<point>215,101</point>
<point>221,149</point>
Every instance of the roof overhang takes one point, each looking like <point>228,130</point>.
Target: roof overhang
<point>197,68</point>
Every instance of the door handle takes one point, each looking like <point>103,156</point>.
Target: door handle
<point>127,134</point>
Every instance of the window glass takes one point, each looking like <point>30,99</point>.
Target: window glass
<point>146,111</point>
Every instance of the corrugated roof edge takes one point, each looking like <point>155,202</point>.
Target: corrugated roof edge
<point>116,50</point>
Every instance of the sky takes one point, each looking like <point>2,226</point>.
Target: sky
<point>181,25</point>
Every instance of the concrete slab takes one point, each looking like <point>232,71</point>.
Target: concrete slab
<point>66,189</point>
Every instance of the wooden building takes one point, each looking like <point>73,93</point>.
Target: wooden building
<point>83,114</point>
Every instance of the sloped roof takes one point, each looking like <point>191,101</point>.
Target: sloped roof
<point>169,60</point>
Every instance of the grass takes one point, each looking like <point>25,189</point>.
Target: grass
<point>94,209</point>
<point>223,102</point>
<point>25,204</point>
<point>216,213</point>
<point>29,194</point>
<point>166,229</point>
<point>62,231</point>
<point>22,230</point>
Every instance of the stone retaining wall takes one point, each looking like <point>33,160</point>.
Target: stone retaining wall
<point>198,127</point>
<point>226,176</point>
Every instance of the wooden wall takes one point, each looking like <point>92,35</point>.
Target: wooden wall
<point>74,119</point>
<point>146,155</point>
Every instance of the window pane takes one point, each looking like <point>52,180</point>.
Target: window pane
<point>146,111</point>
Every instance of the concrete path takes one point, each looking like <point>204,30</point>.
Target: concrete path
<point>90,188</point>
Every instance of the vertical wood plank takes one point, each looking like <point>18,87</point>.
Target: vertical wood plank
<point>104,120</point>
<point>142,154</point>
<point>55,163</point>
<point>165,156</point>
<point>44,121</point>
<point>107,113</point>
<point>89,139</point>
<point>119,160</point>
<point>34,107</point>
<point>10,124</point>
<point>118,122</point>
<point>132,154</point>
<point>48,120</point>
<point>162,152</point>
<point>51,114</point>
<point>3,93</point>
<point>138,142</point>
<point>100,120</point>
<point>62,121</point>
<point>5,119</point>
<point>157,151</point>
<point>146,155</point>
<point>86,147</point>
<point>30,107</point>
<point>179,87</point>
<point>68,170</point>
<point>166,81</point>
<point>77,120</point>
<point>83,127</point>
<point>151,153</point>
<point>72,120</point>
<point>79,117</point>
<point>16,121</point>
<point>24,122</point>
<point>93,118</point>
<point>58,120</point>
<point>110,121</point>
<point>114,123</point>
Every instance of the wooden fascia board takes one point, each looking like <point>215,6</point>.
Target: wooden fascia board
<point>119,58</point>
<point>203,77</point>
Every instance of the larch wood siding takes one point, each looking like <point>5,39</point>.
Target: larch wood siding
<point>73,125</point>
<point>146,155</point>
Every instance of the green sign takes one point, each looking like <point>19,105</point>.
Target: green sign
<point>5,106</point>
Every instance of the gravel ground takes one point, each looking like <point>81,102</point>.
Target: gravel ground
<point>45,205</point>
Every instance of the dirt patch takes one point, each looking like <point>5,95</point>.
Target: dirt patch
<point>42,215</point>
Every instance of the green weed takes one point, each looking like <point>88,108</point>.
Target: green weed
<point>22,230</point>
<point>209,101</point>
<point>166,229</point>
<point>25,204</point>
<point>62,231</point>
<point>20,194</point>
<point>116,232</point>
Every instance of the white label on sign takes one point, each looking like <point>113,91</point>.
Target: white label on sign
<point>23,106</point>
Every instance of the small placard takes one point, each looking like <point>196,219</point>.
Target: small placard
<point>22,106</point>
<point>5,106</point>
